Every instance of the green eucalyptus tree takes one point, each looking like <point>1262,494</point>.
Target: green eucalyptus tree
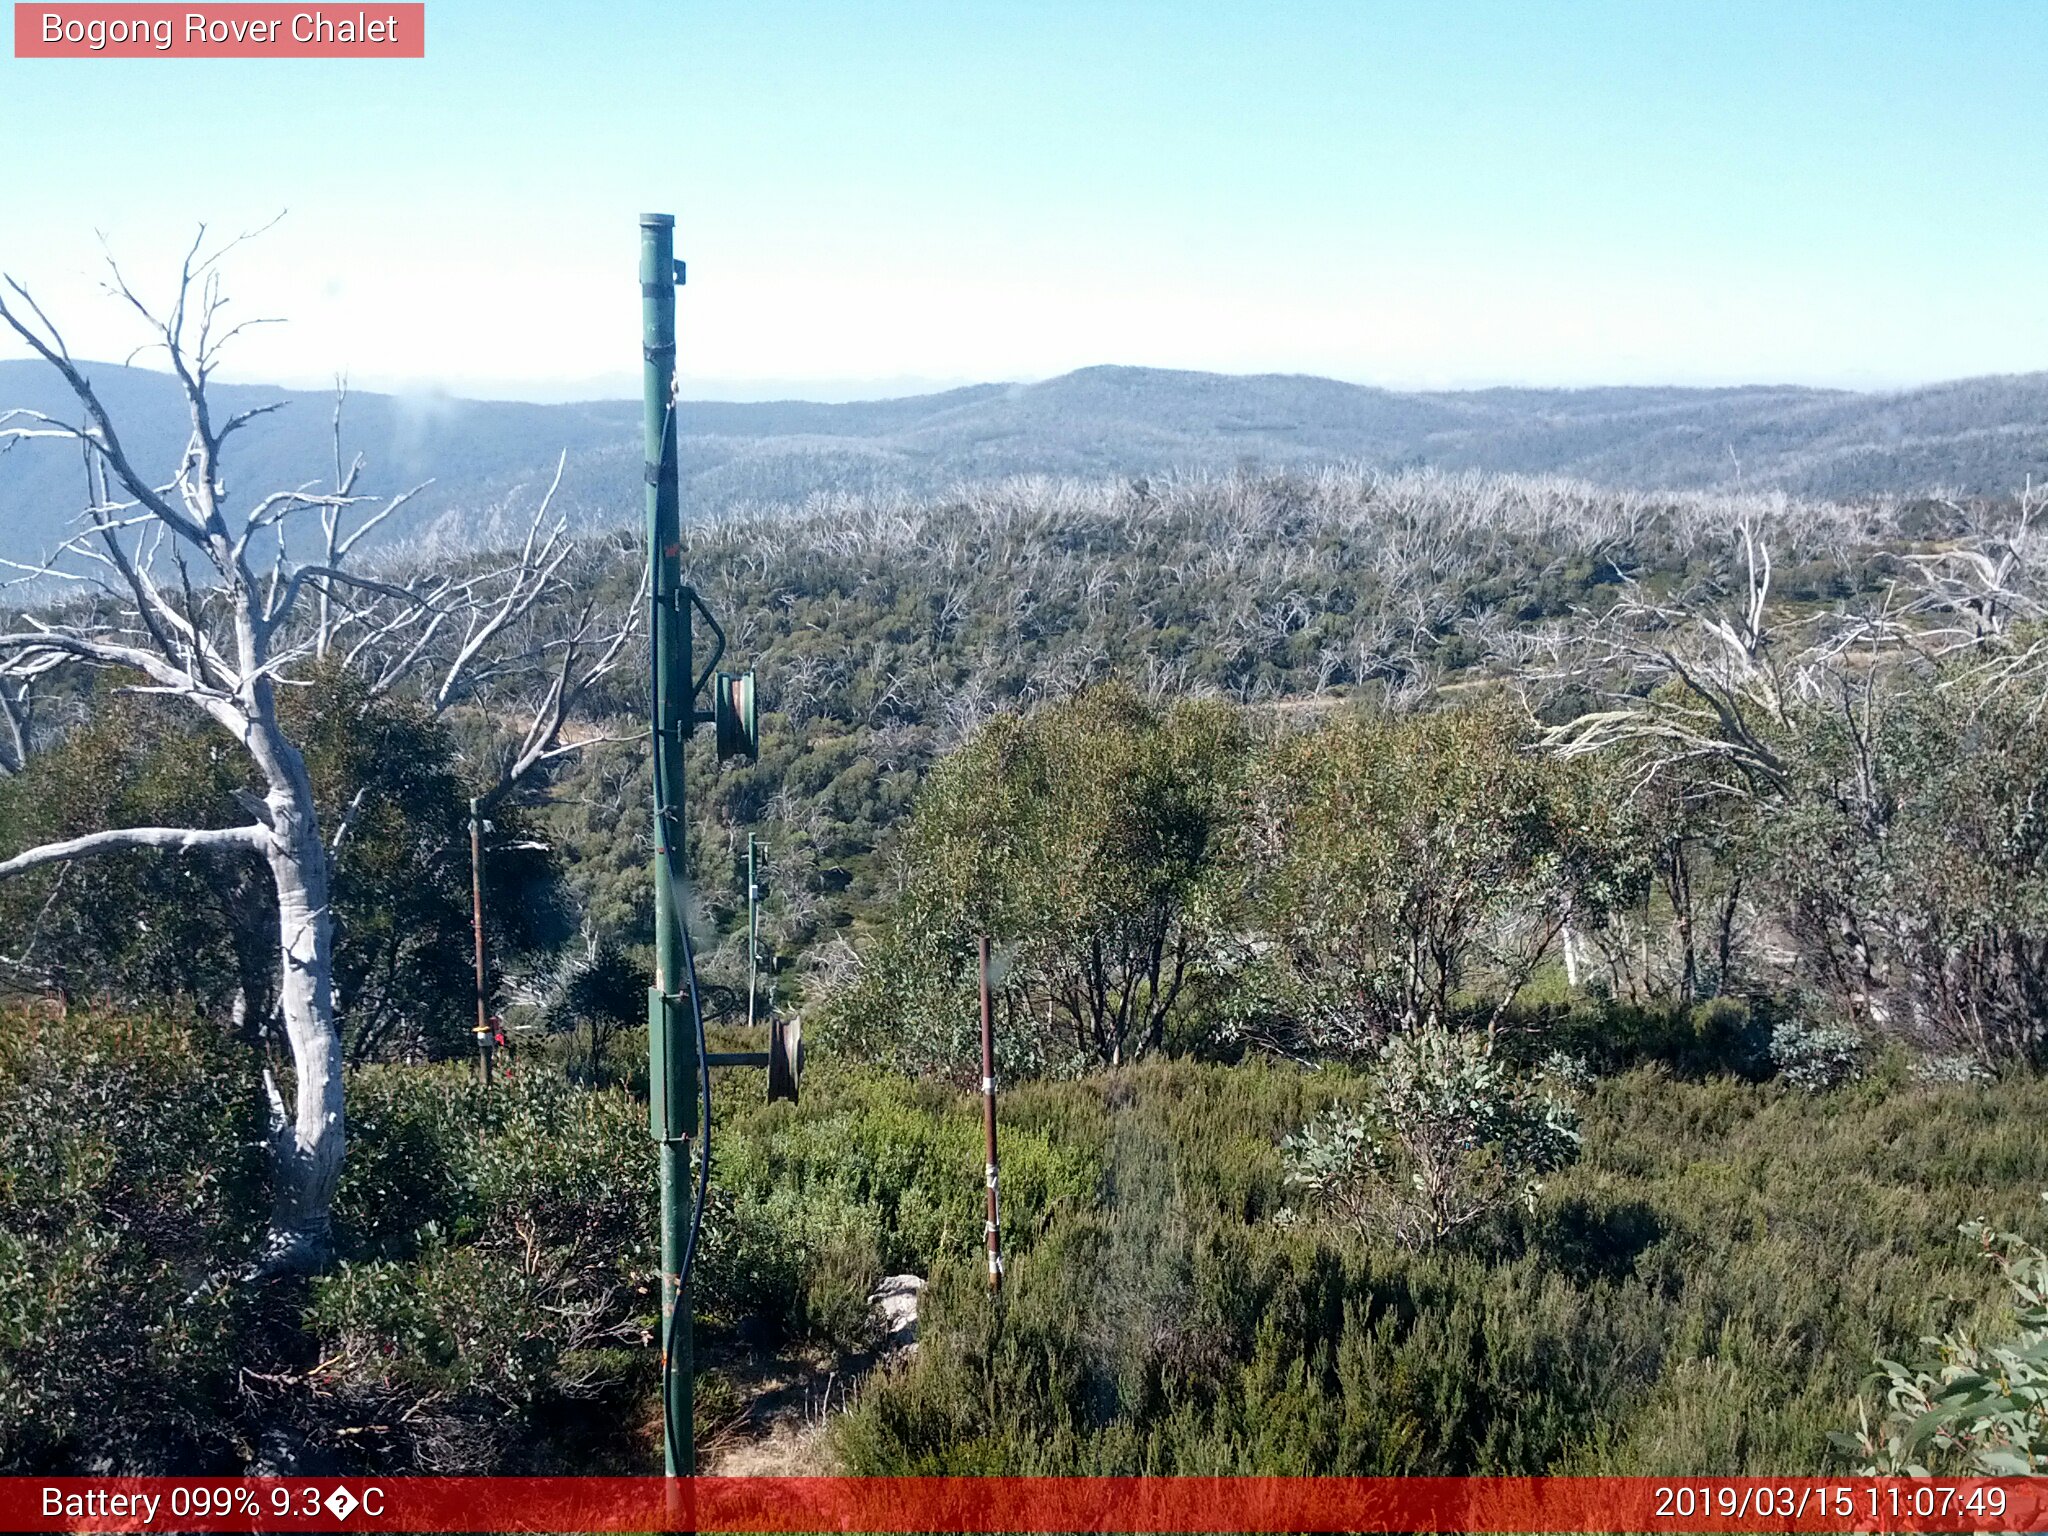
<point>1093,840</point>
<point>1404,865</point>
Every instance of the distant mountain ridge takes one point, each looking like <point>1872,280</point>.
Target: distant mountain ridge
<point>490,459</point>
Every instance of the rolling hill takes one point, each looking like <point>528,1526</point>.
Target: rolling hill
<point>488,460</point>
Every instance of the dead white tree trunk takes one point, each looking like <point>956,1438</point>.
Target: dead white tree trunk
<point>223,644</point>
<point>306,1150</point>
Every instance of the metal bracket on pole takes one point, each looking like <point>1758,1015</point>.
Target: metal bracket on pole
<point>784,1059</point>
<point>671,1068</point>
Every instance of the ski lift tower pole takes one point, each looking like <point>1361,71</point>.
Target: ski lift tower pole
<point>678,1061</point>
<point>672,1114</point>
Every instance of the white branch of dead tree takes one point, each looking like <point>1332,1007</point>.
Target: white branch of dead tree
<point>164,839</point>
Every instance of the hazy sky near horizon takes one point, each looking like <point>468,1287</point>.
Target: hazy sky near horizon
<point>893,195</point>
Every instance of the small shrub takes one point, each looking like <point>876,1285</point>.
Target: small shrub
<point>1451,1134</point>
<point>1950,1069</point>
<point>1568,1071</point>
<point>1970,1406</point>
<point>1816,1057</point>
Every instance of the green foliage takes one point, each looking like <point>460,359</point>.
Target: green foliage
<point>503,1246</point>
<point>1153,880</point>
<point>130,1190</point>
<point>1719,1038</point>
<point>1675,931</point>
<point>1449,1134</point>
<point>503,1251</point>
<point>1816,1056</point>
<point>1911,859</point>
<point>1403,862</point>
<point>871,1175</point>
<point>135,927</point>
<point>1970,1407</point>
<point>1697,1293</point>
<point>141,927</point>
<point>600,991</point>
<point>1091,840</point>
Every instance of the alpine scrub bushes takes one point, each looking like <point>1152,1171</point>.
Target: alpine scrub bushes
<point>1702,1291</point>
<point>1450,1134</point>
<point>506,1245</point>
<point>131,1189</point>
<point>873,1174</point>
<point>499,1310</point>
<point>493,1307</point>
<point>1970,1406</point>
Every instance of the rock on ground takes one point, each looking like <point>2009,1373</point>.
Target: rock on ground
<point>896,1299</point>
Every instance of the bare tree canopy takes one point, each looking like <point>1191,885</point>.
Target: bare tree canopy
<point>185,589</point>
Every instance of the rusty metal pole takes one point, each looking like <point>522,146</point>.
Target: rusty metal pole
<point>476,912</point>
<point>988,1122</point>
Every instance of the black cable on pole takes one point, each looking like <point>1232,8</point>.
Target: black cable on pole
<point>671,855</point>
<point>677,1318</point>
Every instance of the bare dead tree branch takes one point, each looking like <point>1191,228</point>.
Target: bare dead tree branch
<point>169,839</point>
<point>224,640</point>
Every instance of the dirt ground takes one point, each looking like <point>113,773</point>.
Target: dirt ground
<point>788,1399</point>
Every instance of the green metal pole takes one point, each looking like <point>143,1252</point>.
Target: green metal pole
<point>753,930</point>
<point>671,1082</point>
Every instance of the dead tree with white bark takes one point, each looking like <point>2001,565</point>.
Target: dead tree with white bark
<point>1705,702</point>
<point>194,592</point>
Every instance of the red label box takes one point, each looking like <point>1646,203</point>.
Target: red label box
<point>366,29</point>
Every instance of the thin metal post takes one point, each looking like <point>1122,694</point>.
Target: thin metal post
<point>476,912</point>
<point>753,931</point>
<point>988,1122</point>
<point>671,1057</point>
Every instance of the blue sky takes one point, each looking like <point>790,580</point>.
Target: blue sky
<point>878,196</point>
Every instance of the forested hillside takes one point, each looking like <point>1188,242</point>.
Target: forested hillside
<point>885,632</point>
<point>1472,951</point>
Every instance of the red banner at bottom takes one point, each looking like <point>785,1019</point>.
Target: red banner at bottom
<point>1021,1504</point>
